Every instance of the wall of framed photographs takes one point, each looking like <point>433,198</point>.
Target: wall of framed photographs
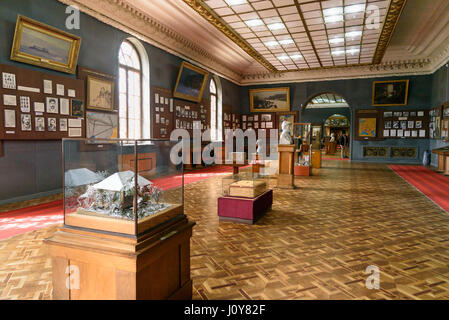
<point>40,106</point>
<point>445,122</point>
<point>406,124</point>
<point>162,112</point>
<point>259,121</point>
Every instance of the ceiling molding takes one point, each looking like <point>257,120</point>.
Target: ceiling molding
<point>221,25</point>
<point>391,21</point>
<point>122,15</point>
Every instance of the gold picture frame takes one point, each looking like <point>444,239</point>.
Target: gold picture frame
<point>390,93</point>
<point>45,46</point>
<point>100,94</point>
<point>193,93</point>
<point>260,102</point>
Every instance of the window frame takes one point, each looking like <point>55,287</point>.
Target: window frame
<point>139,71</point>
<point>214,136</point>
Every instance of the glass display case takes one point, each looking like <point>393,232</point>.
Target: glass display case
<point>245,185</point>
<point>302,136</point>
<point>120,186</point>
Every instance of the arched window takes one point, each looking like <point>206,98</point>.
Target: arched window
<point>130,83</point>
<point>213,110</point>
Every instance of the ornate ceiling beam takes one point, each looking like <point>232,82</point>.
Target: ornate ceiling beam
<point>221,25</point>
<point>391,21</point>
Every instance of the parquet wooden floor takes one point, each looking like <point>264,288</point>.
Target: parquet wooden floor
<point>315,244</point>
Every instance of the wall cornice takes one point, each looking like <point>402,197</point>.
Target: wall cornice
<point>123,16</point>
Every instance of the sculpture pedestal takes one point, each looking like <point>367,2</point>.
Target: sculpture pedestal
<point>286,166</point>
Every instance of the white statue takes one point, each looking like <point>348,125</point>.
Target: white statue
<point>286,137</point>
<point>259,146</point>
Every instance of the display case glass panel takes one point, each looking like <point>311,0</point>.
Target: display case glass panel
<point>302,136</point>
<point>245,185</point>
<point>121,186</point>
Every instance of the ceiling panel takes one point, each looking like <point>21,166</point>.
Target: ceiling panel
<point>306,33</point>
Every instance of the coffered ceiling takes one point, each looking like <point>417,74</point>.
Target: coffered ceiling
<point>305,34</point>
<point>274,41</point>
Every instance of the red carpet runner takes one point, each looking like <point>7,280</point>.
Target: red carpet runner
<point>435,186</point>
<point>31,218</point>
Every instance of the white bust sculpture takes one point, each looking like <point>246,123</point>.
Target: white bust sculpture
<point>259,146</point>
<point>286,137</point>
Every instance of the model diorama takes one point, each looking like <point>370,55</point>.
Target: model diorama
<point>114,196</point>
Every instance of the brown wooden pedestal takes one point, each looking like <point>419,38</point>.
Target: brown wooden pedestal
<point>316,159</point>
<point>443,160</point>
<point>112,267</point>
<point>286,164</point>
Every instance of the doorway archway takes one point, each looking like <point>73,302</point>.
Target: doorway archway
<point>329,114</point>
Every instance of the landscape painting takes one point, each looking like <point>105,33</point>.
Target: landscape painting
<point>38,44</point>
<point>270,100</point>
<point>191,82</point>
<point>390,93</point>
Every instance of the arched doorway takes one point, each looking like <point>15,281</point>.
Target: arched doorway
<point>329,114</point>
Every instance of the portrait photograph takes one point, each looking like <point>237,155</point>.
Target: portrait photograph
<point>39,124</point>
<point>52,105</point>
<point>390,93</point>
<point>100,94</point>
<point>63,124</point>
<point>51,124</point>
<point>25,120</point>
<point>269,100</point>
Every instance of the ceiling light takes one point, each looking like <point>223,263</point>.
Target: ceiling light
<point>352,51</point>
<point>296,56</point>
<point>284,57</point>
<point>338,52</point>
<point>286,41</point>
<point>276,26</point>
<point>271,43</point>
<point>355,8</point>
<point>353,34</point>
<point>333,11</point>
<point>331,19</point>
<point>254,22</point>
<point>336,40</point>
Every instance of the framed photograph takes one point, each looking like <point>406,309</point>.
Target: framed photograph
<point>418,124</point>
<point>100,94</point>
<point>388,114</point>
<point>395,124</point>
<point>10,118</point>
<point>403,125</point>
<point>39,124</point>
<point>368,127</point>
<point>8,80</point>
<point>190,83</point>
<point>25,121</point>
<point>51,124</point>
<point>10,100</point>
<point>52,105</point>
<point>63,124</point>
<point>390,93</point>
<point>101,125</point>
<point>44,46</point>
<point>64,106</point>
<point>25,104</point>
<point>405,114</point>
<point>76,108</point>
<point>411,125</point>
<point>39,107</point>
<point>269,125</point>
<point>445,112</point>
<point>398,114</point>
<point>387,124</point>
<point>270,100</point>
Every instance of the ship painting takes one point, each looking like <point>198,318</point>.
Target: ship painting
<point>44,46</point>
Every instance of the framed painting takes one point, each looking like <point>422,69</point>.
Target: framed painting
<point>45,46</point>
<point>270,100</point>
<point>190,83</point>
<point>368,127</point>
<point>390,93</point>
<point>100,94</point>
<point>76,108</point>
<point>101,125</point>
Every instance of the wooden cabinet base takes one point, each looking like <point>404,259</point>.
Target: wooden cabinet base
<point>286,164</point>
<point>441,163</point>
<point>285,181</point>
<point>93,266</point>
<point>303,171</point>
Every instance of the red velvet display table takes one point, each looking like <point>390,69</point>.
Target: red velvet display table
<point>244,210</point>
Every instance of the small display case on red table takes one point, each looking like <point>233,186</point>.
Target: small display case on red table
<point>246,198</point>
